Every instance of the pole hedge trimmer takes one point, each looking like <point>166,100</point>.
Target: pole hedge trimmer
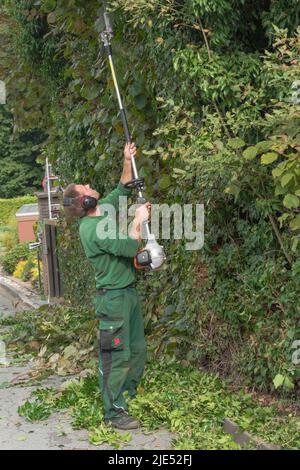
<point>152,256</point>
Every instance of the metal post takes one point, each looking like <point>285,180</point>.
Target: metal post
<point>48,188</point>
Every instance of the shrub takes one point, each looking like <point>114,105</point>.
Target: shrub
<point>9,233</point>
<point>10,260</point>
<point>8,238</point>
<point>27,270</point>
<point>30,271</point>
<point>34,274</point>
<point>9,207</point>
<point>19,271</point>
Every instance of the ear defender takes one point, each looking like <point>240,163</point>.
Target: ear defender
<point>88,202</point>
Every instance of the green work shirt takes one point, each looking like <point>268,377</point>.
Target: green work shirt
<point>112,258</point>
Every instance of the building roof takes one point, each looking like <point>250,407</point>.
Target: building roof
<point>28,209</point>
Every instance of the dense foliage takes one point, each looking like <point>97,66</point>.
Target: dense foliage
<point>19,172</point>
<point>8,208</point>
<point>212,89</point>
<point>9,236</point>
<point>16,254</point>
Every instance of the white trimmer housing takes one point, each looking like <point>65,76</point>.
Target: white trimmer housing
<point>156,251</point>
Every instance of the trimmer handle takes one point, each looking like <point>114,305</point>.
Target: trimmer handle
<point>136,183</point>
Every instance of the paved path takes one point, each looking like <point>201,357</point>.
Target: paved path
<point>8,303</point>
<point>56,432</point>
<point>15,290</point>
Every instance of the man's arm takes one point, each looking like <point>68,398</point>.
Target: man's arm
<point>113,197</point>
<point>127,247</point>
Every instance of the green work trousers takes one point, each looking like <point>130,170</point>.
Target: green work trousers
<point>122,353</point>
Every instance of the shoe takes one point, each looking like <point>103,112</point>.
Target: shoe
<point>124,422</point>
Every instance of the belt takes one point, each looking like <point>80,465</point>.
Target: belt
<point>103,290</point>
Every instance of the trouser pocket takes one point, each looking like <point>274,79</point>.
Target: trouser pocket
<point>110,304</point>
<point>111,335</point>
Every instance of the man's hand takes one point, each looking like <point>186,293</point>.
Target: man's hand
<point>129,149</point>
<point>142,214</point>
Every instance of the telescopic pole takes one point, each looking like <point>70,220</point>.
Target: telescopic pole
<point>153,254</point>
<point>137,182</point>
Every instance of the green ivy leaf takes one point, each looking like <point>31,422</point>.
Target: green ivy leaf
<point>290,201</point>
<point>279,170</point>
<point>140,101</point>
<point>232,189</point>
<point>135,89</point>
<point>279,190</point>
<point>263,146</point>
<point>164,182</point>
<point>295,223</point>
<point>286,179</point>
<point>288,384</point>
<point>90,92</point>
<point>48,5</point>
<point>250,153</point>
<point>236,143</point>
<point>269,157</point>
<point>283,218</point>
<point>278,381</point>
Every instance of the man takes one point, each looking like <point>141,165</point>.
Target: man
<point>122,343</point>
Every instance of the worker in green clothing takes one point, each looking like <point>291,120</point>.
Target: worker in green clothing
<point>122,342</point>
